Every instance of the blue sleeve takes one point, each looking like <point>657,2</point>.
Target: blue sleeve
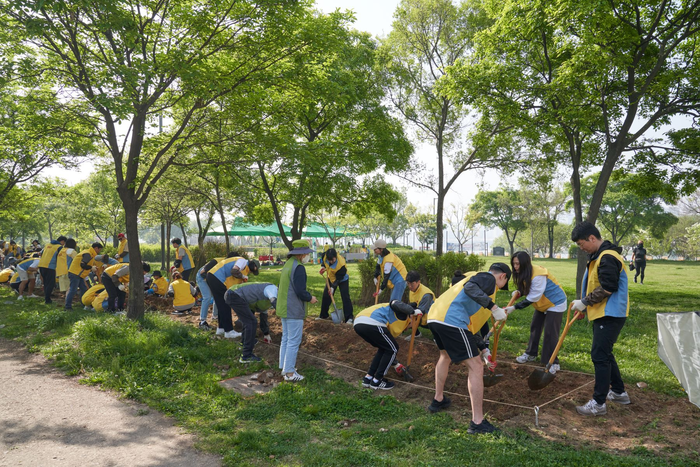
<point>300,284</point>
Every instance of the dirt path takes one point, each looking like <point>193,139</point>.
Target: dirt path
<point>49,419</point>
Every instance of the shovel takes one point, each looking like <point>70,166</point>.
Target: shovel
<point>376,299</point>
<point>540,378</point>
<point>335,315</point>
<point>491,378</point>
<point>415,321</point>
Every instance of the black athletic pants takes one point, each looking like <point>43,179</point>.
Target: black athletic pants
<point>344,288</point>
<point>247,319</point>
<point>551,323</point>
<point>387,347</point>
<point>639,267</point>
<point>186,274</point>
<point>113,293</point>
<point>218,290</point>
<point>48,277</point>
<point>607,374</point>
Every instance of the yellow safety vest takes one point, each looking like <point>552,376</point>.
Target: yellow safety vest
<point>49,252</point>
<point>75,267</point>
<point>340,262</point>
<point>182,293</point>
<point>230,280</point>
<point>97,302</point>
<point>398,264</point>
<point>5,275</point>
<point>417,296</point>
<point>91,293</point>
<point>395,328</point>
<point>116,267</point>
<point>189,255</point>
<point>122,245</point>
<point>160,286</point>
<point>439,309</point>
<point>615,303</point>
<point>544,303</point>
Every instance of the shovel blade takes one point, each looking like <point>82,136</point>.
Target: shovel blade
<point>407,376</point>
<point>492,379</point>
<point>336,316</point>
<point>539,379</point>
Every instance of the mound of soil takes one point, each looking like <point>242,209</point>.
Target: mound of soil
<point>660,423</point>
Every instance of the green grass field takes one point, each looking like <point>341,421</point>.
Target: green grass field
<point>176,368</point>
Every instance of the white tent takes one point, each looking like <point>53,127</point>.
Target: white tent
<point>679,349</point>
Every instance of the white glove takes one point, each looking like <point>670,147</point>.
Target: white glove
<point>418,312</point>
<point>498,313</point>
<point>122,287</point>
<point>245,278</point>
<point>578,305</point>
<point>509,309</point>
<point>485,354</point>
<point>376,281</point>
<point>515,294</point>
<point>331,290</point>
<point>116,256</point>
<point>94,269</point>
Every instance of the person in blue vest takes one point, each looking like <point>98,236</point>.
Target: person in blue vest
<point>605,299</point>
<point>449,319</point>
<point>184,262</point>
<point>292,307</point>
<point>338,278</point>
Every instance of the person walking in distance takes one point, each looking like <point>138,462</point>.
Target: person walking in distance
<point>639,258</point>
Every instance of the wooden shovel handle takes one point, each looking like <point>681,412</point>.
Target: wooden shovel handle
<point>569,323</point>
<point>376,299</point>
<point>497,331</point>
<point>415,321</point>
<point>328,289</point>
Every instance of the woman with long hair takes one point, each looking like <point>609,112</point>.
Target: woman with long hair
<point>543,292</point>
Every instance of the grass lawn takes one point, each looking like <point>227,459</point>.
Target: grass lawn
<point>176,368</point>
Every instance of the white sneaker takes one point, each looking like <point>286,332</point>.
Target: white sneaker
<point>232,334</point>
<point>592,408</point>
<point>295,377</point>
<point>32,296</point>
<point>525,358</point>
<point>21,297</point>
<point>408,338</point>
<point>120,313</point>
<point>220,331</point>
<point>349,322</point>
<point>554,368</point>
<point>87,308</point>
<point>623,398</point>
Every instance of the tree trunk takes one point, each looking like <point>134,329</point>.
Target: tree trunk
<point>184,235</point>
<point>550,235</point>
<point>135,304</point>
<point>168,228</point>
<point>115,242</point>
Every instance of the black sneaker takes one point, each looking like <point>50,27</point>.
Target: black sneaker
<point>250,359</point>
<point>383,384</point>
<point>436,406</point>
<point>482,428</point>
<point>178,313</point>
<point>204,326</point>
<point>366,382</point>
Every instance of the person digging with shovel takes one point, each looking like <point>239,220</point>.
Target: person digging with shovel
<point>334,265</point>
<point>379,325</point>
<point>605,299</point>
<point>449,320</point>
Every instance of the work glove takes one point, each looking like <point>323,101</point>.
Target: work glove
<point>122,287</point>
<point>322,271</point>
<point>376,281</point>
<point>150,292</point>
<point>267,339</point>
<point>418,312</point>
<point>498,313</point>
<point>400,369</point>
<point>330,291</point>
<point>273,303</point>
<point>376,293</point>
<point>177,263</point>
<point>486,357</point>
<point>116,256</point>
<point>578,305</point>
<point>516,294</point>
<point>94,269</point>
<point>509,309</point>
<point>245,278</point>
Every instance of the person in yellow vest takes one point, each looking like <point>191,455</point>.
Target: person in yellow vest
<point>101,301</point>
<point>183,294</point>
<point>338,278</point>
<point>47,266</point>
<point>390,270</point>
<point>15,281</point>
<point>379,325</point>
<point>454,319</point>
<point>9,271</point>
<point>65,259</point>
<point>605,299</point>
<point>79,269</point>
<point>123,251</point>
<point>116,279</point>
<point>90,295</point>
<point>159,286</point>
<point>184,262</point>
<point>419,296</point>
<point>27,270</point>
<point>13,251</point>
<point>541,290</point>
<point>224,274</point>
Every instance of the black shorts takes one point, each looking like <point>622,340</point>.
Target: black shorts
<point>460,344</point>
